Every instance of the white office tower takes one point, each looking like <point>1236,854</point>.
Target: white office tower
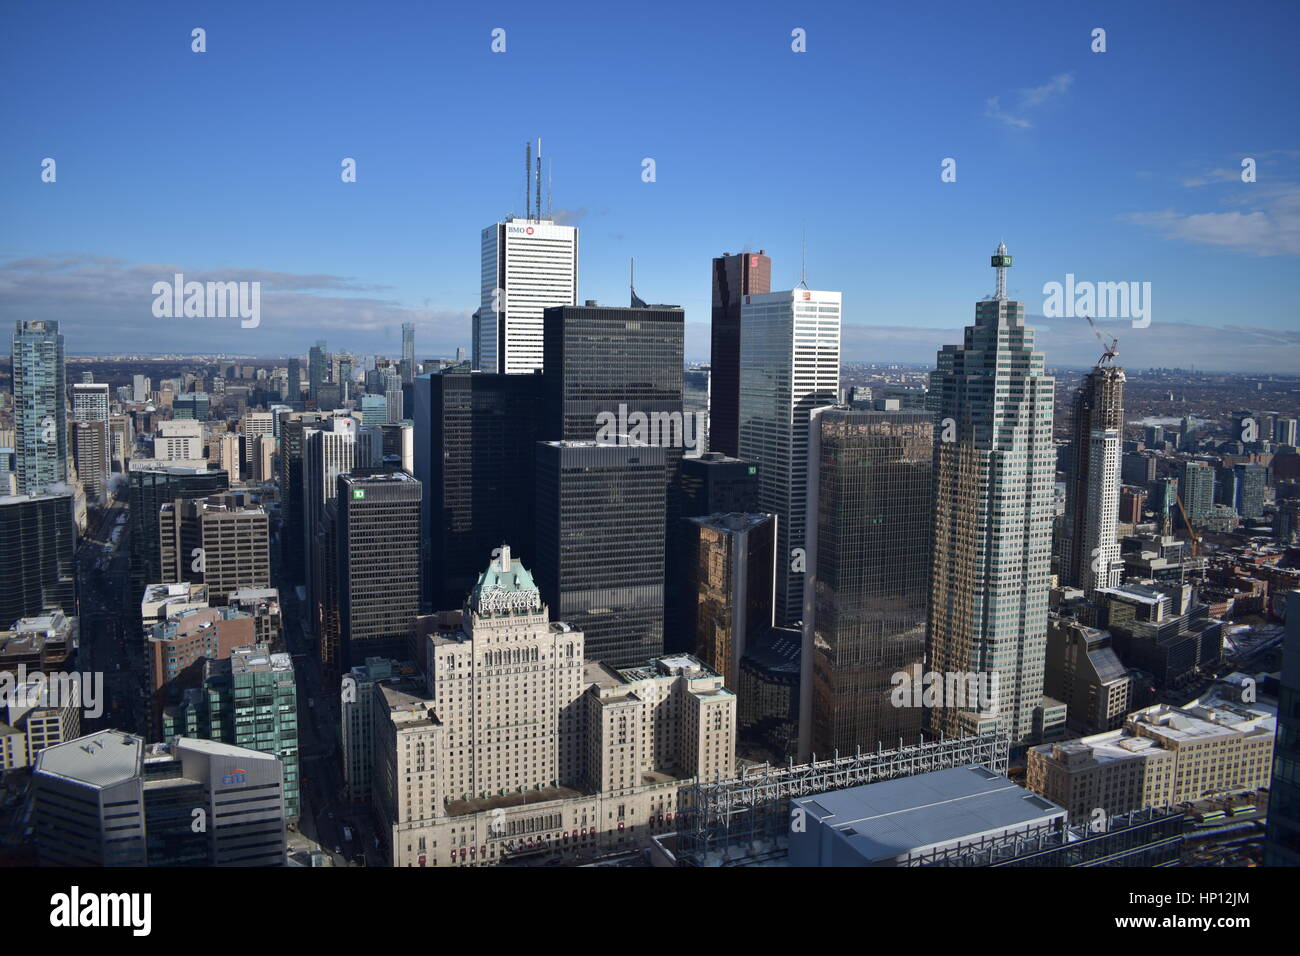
<point>328,451</point>
<point>789,365</point>
<point>529,264</point>
<point>995,473</point>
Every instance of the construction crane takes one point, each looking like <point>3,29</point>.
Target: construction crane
<point>1110,349</point>
<point>1191,530</point>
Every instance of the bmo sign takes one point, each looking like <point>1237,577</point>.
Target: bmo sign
<point>520,230</point>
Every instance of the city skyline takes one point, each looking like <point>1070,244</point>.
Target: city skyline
<point>362,511</point>
<point>900,248</point>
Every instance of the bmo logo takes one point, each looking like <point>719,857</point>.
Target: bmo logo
<point>524,230</point>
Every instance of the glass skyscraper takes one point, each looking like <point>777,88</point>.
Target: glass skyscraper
<point>734,277</point>
<point>869,514</point>
<point>600,545</point>
<point>789,365</point>
<point>995,475</point>
<point>40,407</point>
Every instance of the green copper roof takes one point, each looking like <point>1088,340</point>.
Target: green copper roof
<point>505,587</point>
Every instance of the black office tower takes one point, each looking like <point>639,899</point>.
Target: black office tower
<point>614,371</point>
<point>475,437</point>
<point>870,506</point>
<point>379,564</point>
<point>600,553</point>
<point>290,480</point>
<point>734,277</point>
<point>716,484</point>
<point>148,492</point>
<point>38,544</point>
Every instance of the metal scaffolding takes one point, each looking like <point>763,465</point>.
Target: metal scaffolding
<point>747,818</point>
<point>1151,837</point>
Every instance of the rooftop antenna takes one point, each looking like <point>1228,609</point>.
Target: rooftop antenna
<point>1002,262</point>
<point>528,174</point>
<point>539,177</point>
<point>803,262</point>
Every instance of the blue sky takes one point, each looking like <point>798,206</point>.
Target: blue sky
<point>1115,166</point>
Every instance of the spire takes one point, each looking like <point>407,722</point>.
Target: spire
<point>637,302</point>
<point>1001,262</point>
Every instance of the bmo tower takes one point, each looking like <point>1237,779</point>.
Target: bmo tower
<point>528,265</point>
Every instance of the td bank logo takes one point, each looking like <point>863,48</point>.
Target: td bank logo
<point>358,494</point>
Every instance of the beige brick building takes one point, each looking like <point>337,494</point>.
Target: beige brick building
<point>514,746</point>
<point>1163,756</point>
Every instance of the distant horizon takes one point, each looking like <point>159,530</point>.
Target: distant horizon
<point>347,198</point>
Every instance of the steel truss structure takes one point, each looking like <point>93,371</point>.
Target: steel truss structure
<point>748,817</point>
<point>1151,837</point>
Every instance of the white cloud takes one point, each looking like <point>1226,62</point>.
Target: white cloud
<point>1027,101</point>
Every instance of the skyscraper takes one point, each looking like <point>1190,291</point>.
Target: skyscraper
<point>1090,548</point>
<point>789,365</point>
<point>734,277</point>
<point>728,602</point>
<point>995,471</point>
<point>40,407</point>
<point>1196,488</point>
<point>601,358</point>
<point>379,564</point>
<point>38,544</point>
<point>91,450</point>
<point>221,541</point>
<point>528,265</point>
<point>290,478</point>
<point>293,391</point>
<point>408,353</point>
<point>600,545</point>
<point>318,364</point>
<point>149,490</point>
<point>1252,481</point>
<point>869,514</point>
<point>475,438</point>
<point>329,451</point>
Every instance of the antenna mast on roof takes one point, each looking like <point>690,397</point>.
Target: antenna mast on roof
<point>539,177</point>
<point>803,263</point>
<point>528,174</point>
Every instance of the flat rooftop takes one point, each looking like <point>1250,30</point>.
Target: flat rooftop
<point>885,820</point>
<point>98,760</point>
